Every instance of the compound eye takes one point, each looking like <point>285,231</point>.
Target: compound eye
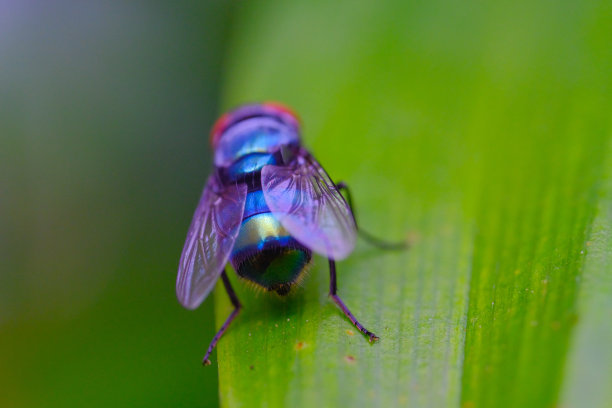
<point>283,109</point>
<point>218,129</point>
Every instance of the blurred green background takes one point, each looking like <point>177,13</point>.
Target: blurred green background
<point>104,114</point>
<point>484,128</point>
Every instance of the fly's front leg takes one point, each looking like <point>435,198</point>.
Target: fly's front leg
<point>371,239</point>
<point>332,292</point>
<point>232,316</point>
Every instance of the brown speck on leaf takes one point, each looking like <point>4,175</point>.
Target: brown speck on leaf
<point>252,368</point>
<point>300,345</point>
<point>573,319</point>
<point>350,332</point>
<point>349,359</point>
<point>412,238</point>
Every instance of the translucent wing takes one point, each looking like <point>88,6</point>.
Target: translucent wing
<point>210,240</point>
<point>308,204</point>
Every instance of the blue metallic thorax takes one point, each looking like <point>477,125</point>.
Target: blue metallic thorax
<point>264,251</point>
<point>254,138</point>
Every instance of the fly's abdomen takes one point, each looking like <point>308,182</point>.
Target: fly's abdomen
<point>264,252</point>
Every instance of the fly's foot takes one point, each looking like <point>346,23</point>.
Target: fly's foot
<point>372,338</point>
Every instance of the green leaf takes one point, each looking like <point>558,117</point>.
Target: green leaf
<point>480,132</point>
<point>589,376</point>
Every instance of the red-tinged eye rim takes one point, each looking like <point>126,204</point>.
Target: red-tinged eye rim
<point>279,107</point>
<point>244,111</point>
<point>218,128</point>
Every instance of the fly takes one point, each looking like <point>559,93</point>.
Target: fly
<point>265,209</point>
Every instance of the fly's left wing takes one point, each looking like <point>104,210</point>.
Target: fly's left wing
<point>308,204</point>
<point>210,240</point>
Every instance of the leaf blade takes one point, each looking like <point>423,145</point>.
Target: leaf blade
<point>489,156</point>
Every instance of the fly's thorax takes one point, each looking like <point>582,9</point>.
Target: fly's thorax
<point>254,130</point>
<point>266,254</point>
<point>247,168</point>
<point>274,110</point>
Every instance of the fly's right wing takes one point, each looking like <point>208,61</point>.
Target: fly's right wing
<point>210,240</point>
<point>308,204</point>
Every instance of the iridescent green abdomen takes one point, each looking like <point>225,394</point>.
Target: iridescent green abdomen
<point>267,255</point>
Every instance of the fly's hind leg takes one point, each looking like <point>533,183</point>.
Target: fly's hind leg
<point>232,316</point>
<point>371,239</point>
<point>332,292</point>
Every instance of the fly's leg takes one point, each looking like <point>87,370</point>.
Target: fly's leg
<point>232,316</point>
<point>332,292</point>
<point>371,239</point>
